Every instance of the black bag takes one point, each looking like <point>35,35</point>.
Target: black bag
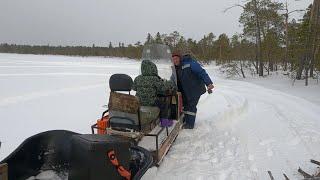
<point>164,103</point>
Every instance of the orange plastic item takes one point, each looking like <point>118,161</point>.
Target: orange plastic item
<point>102,125</point>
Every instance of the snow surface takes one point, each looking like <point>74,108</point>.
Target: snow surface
<point>278,81</point>
<point>49,175</point>
<point>242,130</point>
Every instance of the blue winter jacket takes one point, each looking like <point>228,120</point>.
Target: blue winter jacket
<point>193,78</point>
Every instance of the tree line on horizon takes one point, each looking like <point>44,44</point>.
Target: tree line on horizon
<point>271,40</point>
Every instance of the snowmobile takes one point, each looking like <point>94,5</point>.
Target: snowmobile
<point>124,143</point>
<point>74,156</point>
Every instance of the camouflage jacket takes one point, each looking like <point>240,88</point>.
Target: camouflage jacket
<point>148,85</point>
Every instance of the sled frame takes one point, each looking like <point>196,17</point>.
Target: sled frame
<point>162,149</point>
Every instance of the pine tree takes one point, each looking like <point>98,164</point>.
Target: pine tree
<point>149,39</point>
<point>158,38</point>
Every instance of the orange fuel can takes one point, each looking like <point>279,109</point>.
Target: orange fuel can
<point>102,125</point>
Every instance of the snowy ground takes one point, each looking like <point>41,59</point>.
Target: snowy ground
<point>242,129</point>
<point>278,81</point>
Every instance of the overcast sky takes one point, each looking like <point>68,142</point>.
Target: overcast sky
<point>84,22</point>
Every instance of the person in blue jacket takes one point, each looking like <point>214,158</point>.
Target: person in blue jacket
<point>191,80</point>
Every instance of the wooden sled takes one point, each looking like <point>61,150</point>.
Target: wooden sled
<point>152,136</point>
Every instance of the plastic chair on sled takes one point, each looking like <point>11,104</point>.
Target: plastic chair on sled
<point>123,108</point>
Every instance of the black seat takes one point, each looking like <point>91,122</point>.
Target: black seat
<point>120,82</point>
<point>123,108</point>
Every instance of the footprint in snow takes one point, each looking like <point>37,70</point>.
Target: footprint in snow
<point>254,168</point>
<point>266,142</point>
<point>229,153</point>
<point>269,153</point>
<point>221,145</point>
<point>251,157</point>
<point>214,160</point>
<point>294,141</point>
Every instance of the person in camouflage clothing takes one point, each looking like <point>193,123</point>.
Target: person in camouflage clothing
<point>148,85</point>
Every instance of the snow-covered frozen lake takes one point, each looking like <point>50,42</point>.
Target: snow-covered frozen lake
<point>242,129</point>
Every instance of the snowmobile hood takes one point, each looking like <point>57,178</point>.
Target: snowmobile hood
<point>148,68</point>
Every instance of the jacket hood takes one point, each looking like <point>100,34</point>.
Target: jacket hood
<point>186,58</point>
<point>148,68</point>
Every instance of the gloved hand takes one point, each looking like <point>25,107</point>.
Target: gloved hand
<point>210,87</point>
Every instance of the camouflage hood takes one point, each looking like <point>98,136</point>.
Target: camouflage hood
<point>148,68</point>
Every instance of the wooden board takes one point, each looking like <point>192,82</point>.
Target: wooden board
<point>3,172</point>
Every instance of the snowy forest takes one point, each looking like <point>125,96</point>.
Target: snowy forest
<point>271,40</point>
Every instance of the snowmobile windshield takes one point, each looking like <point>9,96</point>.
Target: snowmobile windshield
<point>160,55</point>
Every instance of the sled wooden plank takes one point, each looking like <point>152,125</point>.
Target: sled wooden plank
<point>270,175</point>
<point>130,135</point>
<point>315,162</point>
<point>285,176</point>
<point>168,143</point>
<point>304,174</point>
<point>3,171</point>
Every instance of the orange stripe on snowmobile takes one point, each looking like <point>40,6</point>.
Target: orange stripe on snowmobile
<point>121,170</point>
<point>124,173</point>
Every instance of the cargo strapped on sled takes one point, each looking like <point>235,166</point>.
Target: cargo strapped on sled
<point>121,170</point>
